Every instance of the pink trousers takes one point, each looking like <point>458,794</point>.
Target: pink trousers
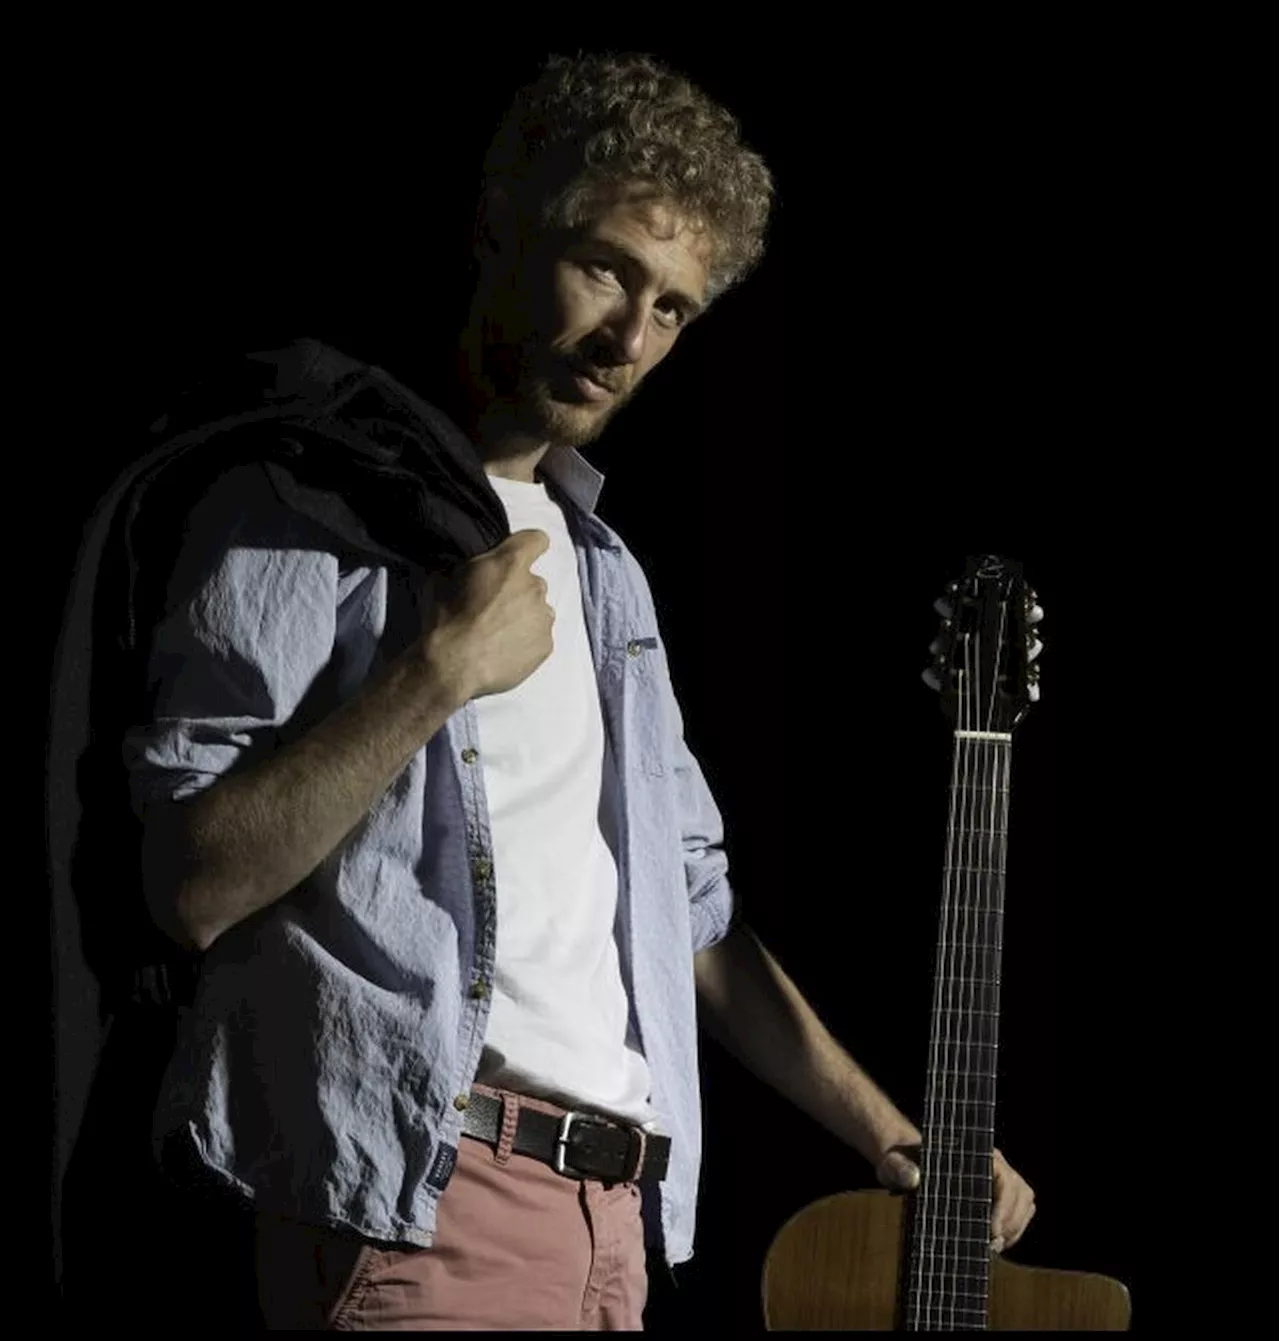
<point>517,1247</point>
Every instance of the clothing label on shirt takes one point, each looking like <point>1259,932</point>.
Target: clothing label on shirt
<point>442,1166</point>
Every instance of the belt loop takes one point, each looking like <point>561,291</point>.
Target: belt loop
<point>644,1136</point>
<point>507,1131</point>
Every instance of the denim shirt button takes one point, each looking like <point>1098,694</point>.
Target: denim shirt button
<point>479,990</point>
<point>482,868</point>
<point>461,1102</point>
<point>469,756</point>
<point>633,648</point>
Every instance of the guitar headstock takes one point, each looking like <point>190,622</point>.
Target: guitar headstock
<point>986,645</point>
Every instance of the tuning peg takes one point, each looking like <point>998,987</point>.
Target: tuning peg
<point>944,606</point>
<point>1034,648</point>
<point>1033,692</point>
<point>1034,614</point>
<point>932,679</point>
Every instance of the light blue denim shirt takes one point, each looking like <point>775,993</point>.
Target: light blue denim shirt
<point>320,1069</point>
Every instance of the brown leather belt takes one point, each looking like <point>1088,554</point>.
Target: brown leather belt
<point>577,1145</point>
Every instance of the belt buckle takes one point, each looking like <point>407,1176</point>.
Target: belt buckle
<point>562,1142</point>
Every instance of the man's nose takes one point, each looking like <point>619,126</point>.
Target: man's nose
<point>625,331</point>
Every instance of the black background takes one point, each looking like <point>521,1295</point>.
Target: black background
<point>966,337</point>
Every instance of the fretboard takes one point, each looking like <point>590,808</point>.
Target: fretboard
<point>948,1260</point>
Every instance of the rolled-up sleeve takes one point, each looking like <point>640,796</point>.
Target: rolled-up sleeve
<point>229,664</point>
<point>712,906</point>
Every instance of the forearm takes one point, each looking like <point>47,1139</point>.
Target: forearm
<point>750,1006</point>
<point>252,837</point>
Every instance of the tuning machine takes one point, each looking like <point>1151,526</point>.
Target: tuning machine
<point>940,647</point>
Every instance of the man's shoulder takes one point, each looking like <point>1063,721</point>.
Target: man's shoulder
<point>205,503</point>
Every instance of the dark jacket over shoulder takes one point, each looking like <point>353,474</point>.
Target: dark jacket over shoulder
<point>338,441</point>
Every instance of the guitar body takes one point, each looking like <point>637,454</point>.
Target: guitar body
<point>836,1266</point>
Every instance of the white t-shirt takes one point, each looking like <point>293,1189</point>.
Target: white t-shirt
<point>558,1018</point>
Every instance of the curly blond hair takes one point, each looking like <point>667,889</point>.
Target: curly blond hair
<point>596,122</point>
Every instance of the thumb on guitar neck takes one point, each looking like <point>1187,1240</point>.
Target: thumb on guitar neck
<point>898,1172</point>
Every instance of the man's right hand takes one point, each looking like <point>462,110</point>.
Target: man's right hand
<point>487,626</point>
<point>213,860</point>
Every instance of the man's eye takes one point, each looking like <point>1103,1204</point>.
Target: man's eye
<point>601,270</point>
<point>670,315</point>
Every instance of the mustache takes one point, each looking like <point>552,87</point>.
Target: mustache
<point>612,381</point>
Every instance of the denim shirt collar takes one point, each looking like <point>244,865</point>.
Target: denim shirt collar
<point>574,475</point>
<point>576,481</point>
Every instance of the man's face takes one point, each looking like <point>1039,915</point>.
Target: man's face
<point>586,316</point>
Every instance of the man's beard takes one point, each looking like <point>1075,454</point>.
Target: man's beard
<point>534,394</point>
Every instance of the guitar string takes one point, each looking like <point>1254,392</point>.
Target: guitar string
<point>981,885</point>
<point>990,881</point>
<point>926,1209</point>
<point>985,1026</point>
<point>963,983</point>
<point>939,1299</point>
<point>934,1207</point>
<point>929,1207</point>
<point>922,1274</point>
<point>977,1058</point>
<point>972,1056</point>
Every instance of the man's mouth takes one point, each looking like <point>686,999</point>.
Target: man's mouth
<point>592,384</point>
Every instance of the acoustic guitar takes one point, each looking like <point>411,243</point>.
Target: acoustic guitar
<point>881,1261</point>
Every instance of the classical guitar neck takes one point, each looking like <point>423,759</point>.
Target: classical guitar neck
<point>949,1254</point>
<point>982,668</point>
<point>869,1261</point>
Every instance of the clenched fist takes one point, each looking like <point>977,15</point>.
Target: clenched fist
<point>487,625</point>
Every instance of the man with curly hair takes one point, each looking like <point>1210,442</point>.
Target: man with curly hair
<point>461,896</point>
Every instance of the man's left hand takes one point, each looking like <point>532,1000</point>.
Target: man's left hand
<point>1012,1202</point>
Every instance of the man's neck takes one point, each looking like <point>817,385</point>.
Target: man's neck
<point>504,450</point>
<point>510,455</point>
<point>520,468</point>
